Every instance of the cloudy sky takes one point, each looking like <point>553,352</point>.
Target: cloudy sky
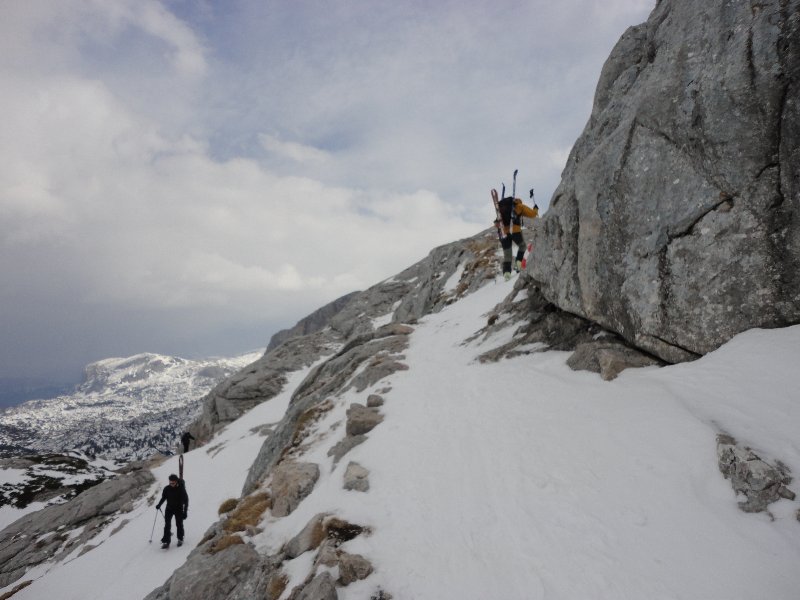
<point>189,176</point>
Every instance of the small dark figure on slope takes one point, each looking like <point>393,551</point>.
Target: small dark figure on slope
<point>186,438</point>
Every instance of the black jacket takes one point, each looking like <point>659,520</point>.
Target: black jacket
<point>176,498</point>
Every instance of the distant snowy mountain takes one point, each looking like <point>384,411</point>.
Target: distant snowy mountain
<point>125,409</point>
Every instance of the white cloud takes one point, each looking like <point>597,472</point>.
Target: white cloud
<point>293,150</point>
<point>187,55</point>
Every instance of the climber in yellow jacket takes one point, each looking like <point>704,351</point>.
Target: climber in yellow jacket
<point>511,215</point>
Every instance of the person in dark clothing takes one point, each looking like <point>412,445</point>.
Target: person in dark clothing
<point>185,438</point>
<point>513,233</point>
<point>178,505</point>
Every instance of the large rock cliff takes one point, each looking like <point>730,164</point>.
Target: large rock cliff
<point>677,220</point>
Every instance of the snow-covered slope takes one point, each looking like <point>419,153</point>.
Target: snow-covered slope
<point>126,408</point>
<point>520,479</point>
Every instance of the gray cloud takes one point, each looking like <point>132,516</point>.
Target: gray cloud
<point>188,177</point>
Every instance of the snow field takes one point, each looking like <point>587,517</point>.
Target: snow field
<point>524,479</point>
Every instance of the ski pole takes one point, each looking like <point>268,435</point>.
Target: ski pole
<point>150,541</point>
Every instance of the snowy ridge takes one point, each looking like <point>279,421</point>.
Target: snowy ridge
<point>560,486</point>
<point>126,408</point>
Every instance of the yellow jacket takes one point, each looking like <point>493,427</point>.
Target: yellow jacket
<point>521,211</point>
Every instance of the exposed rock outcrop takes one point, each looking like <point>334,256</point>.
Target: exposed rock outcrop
<point>258,382</point>
<point>313,323</point>
<point>677,221</point>
<point>43,535</point>
<point>758,481</point>
<point>540,325</point>
<point>291,482</point>
<point>329,378</point>
<point>356,478</point>
<point>320,588</point>
<point>209,576</point>
<point>608,357</point>
<point>213,576</point>
<point>361,419</point>
<point>308,539</point>
<point>352,567</point>
<point>344,446</point>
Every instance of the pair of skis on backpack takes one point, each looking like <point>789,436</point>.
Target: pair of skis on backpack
<point>504,208</point>
<point>504,220</point>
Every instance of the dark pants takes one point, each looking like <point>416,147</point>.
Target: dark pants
<point>168,514</point>
<point>186,446</point>
<point>506,245</point>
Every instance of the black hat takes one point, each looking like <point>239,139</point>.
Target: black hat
<point>173,477</point>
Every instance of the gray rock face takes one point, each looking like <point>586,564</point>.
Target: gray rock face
<point>42,535</point>
<point>329,378</point>
<point>321,588</point>
<point>313,323</point>
<point>209,576</point>
<point>758,481</point>
<point>291,482</point>
<point>374,401</point>
<point>256,383</point>
<point>343,447</point>
<point>361,420</point>
<point>608,357</point>
<point>309,538</point>
<point>677,220</point>
<point>213,580</point>
<point>356,478</point>
<point>539,325</point>
<point>352,568</point>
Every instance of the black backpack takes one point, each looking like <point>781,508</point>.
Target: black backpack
<point>507,213</point>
